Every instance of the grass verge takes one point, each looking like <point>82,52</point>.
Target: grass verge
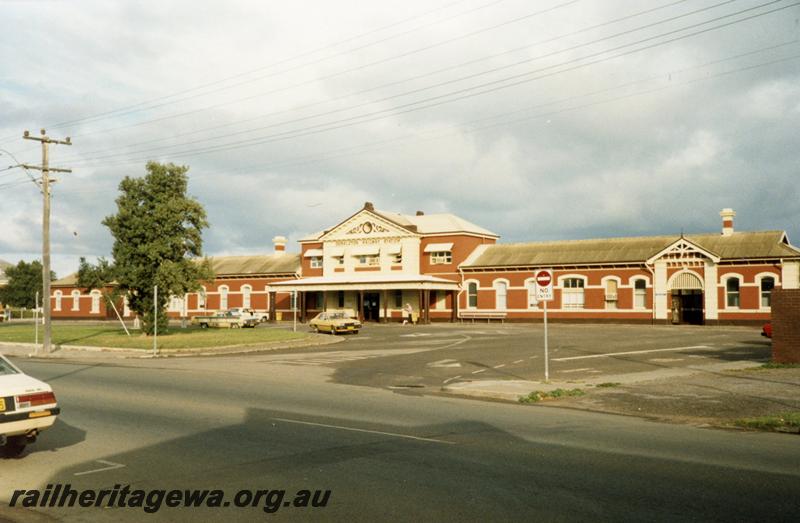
<point>175,338</point>
<point>538,395</point>
<point>783,422</point>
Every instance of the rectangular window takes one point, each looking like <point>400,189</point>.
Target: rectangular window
<point>472,295</point>
<point>533,303</point>
<point>732,293</point>
<point>640,294</point>
<point>767,284</point>
<point>339,260</point>
<point>443,257</point>
<point>369,260</point>
<point>316,262</point>
<point>397,259</point>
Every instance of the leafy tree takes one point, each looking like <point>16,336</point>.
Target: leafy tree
<point>157,241</point>
<point>24,281</point>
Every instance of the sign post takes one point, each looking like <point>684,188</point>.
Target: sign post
<point>544,293</point>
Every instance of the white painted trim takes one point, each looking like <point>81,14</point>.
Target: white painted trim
<point>675,276</point>
<point>632,281</point>
<point>57,297</point>
<point>477,292</point>
<point>76,303</point>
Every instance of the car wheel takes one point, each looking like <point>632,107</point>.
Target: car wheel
<point>234,325</point>
<point>204,325</point>
<point>316,329</point>
<point>263,319</point>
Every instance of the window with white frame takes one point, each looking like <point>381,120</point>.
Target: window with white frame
<point>369,260</point>
<point>612,287</point>
<point>732,293</point>
<point>57,302</point>
<point>316,262</point>
<point>501,295</point>
<point>201,298</point>
<point>175,304</point>
<point>639,294</point>
<point>246,294</point>
<point>223,297</point>
<point>95,302</point>
<point>572,293</point>
<point>339,260</point>
<point>472,295</point>
<point>441,257</point>
<point>533,303</point>
<point>397,259</point>
<point>76,300</point>
<point>767,284</point>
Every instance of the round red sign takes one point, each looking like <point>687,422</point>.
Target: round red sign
<point>543,278</point>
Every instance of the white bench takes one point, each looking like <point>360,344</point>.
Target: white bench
<point>482,315</point>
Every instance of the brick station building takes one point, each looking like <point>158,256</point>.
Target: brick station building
<point>448,269</point>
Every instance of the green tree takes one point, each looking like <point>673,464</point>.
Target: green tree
<point>24,281</point>
<point>157,241</point>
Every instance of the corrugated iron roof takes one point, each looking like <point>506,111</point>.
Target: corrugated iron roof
<point>283,263</point>
<point>762,244</point>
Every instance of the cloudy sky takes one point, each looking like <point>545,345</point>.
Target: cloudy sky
<point>537,120</point>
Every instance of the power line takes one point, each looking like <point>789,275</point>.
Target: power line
<point>144,105</point>
<point>332,75</point>
<point>469,92</point>
<point>380,144</point>
<point>363,91</point>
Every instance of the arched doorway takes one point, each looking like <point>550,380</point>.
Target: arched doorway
<point>686,289</point>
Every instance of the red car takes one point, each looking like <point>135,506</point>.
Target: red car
<point>766,330</point>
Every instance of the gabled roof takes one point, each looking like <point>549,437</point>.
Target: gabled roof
<point>281,263</point>
<point>739,245</point>
<point>442,223</point>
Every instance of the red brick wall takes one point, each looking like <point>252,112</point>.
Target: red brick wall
<point>462,247</point>
<point>305,263</point>
<point>786,325</point>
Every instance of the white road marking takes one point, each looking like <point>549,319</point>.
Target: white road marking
<point>532,357</point>
<point>576,370</point>
<point>406,436</point>
<point>415,335</point>
<point>629,352</point>
<point>519,361</point>
<point>448,380</point>
<point>109,466</point>
<point>499,366</point>
<point>664,360</point>
<point>478,371</point>
<point>443,364</point>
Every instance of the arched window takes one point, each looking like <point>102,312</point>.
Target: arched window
<point>223,297</point>
<point>76,300</point>
<point>472,295</point>
<point>57,304</point>
<point>732,293</point>
<point>501,295</point>
<point>201,298</point>
<point>572,293</point>
<point>767,284</point>
<point>95,301</point>
<point>246,290</point>
<point>640,294</point>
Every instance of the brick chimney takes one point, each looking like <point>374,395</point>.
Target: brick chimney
<point>280,244</point>
<point>727,221</point>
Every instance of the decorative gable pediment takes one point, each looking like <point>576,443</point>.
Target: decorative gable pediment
<point>684,253</point>
<point>366,225</point>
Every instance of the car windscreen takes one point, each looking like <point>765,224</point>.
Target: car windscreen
<point>6,368</point>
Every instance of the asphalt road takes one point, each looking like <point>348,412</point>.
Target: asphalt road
<point>246,422</point>
<point>423,358</point>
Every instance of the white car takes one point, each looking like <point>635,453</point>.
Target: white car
<point>27,407</point>
<point>249,313</point>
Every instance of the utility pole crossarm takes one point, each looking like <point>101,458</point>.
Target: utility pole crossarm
<point>40,168</point>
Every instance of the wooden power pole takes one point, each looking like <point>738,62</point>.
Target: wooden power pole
<point>46,170</point>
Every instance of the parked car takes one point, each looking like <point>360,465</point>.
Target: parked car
<point>27,407</point>
<point>334,322</point>
<point>766,330</point>
<point>224,320</point>
<point>250,313</point>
